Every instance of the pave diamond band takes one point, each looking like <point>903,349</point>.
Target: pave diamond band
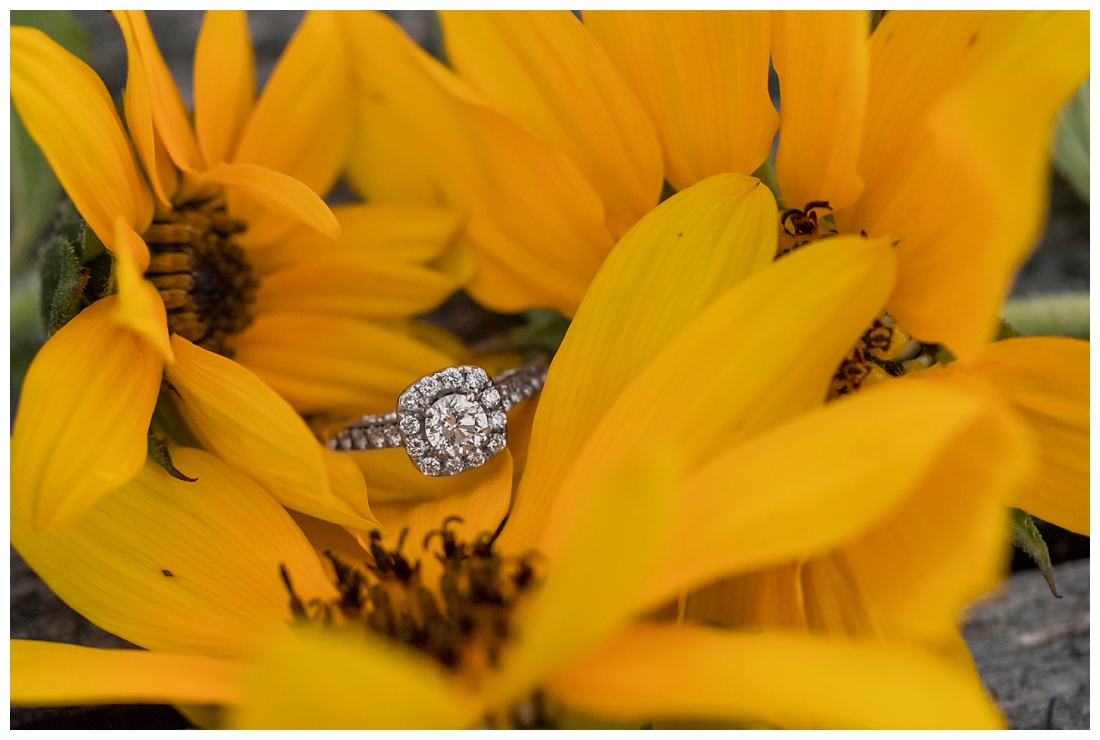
<point>449,421</point>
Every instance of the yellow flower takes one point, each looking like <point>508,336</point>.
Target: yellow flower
<point>934,134</point>
<point>222,248</point>
<point>657,464</point>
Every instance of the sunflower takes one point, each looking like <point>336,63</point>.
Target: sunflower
<point>905,134</point>
<point>234,287</point>
<point>657,465</point>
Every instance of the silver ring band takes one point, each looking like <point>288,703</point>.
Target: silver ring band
<point>450,421</point>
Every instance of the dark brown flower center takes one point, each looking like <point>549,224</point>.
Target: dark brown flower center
<point>462,619</point>
<point>204,277</point>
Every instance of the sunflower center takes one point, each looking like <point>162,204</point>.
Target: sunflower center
<point>462,620</point>
<point>885,349</point>
<point>204,277</point>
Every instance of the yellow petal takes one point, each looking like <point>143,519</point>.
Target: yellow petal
<point>624,527</point>
<point>908,566</point>
<point>821,59</point>
<point>324,680</point>
<point>354,285</point>
<point>301,125</point>
<point>423,136</point>
<point>544,69</point>
<point>709,237</point>
<point>901,577</point>
<point>348,505</point>
<point>388,262</point>
<point>54,673</point>
<point>138,105</point>
<point>69,113</point>
<point>832,600</point>
<point>225,82</point>
<point>957,156</point>
<point>752,601</point>
<point>482,503</point>
<point>781,679</point>
<point>728,512</point>
<point>521,420</point>
<point>1047,380</point>
<point>247,424</point>
<point>386,232</point>
<point>328,363</point>
<point>178,566</point>
<point>393,480</point>
<point>278,193</point>
<point>703,77</point>
<point>331,537</point>
<point>169,114</point>
<point>83,419</point>
<point>139,306</point>
<point>755,382</point>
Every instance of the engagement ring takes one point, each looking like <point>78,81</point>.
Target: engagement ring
<point>449,421</point>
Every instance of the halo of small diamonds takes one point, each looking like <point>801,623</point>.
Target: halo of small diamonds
<point>452,420</point>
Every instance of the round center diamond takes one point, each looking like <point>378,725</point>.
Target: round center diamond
<point>456,425</point>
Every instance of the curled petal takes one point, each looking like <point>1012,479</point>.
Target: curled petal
<point>165,105</point>
<point>279,193</point>
<point>69,114</point>
<point>83,419</point>
<point>246,423</point>
<point>139,307</point>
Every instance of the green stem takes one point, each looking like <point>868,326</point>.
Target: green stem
<point>1065,315</point>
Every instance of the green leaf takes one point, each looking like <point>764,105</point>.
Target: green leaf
<point>765,173</point>
<point>90,245</point>
<point>63,283</point>
<point>158,451</point>
<point>34,188</point>
<point>1065,315</point>
<point>539,337</point>
<point>167,419</point>
<point>942,355</point>
<point>667,191</point>
<point>1026,536</point>
<point>1071,141</point>
<point>1006,330</point>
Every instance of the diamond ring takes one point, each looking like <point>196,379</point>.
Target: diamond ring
<point>449,421</point>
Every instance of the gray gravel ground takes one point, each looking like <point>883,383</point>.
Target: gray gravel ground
<point>1032,650</point>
